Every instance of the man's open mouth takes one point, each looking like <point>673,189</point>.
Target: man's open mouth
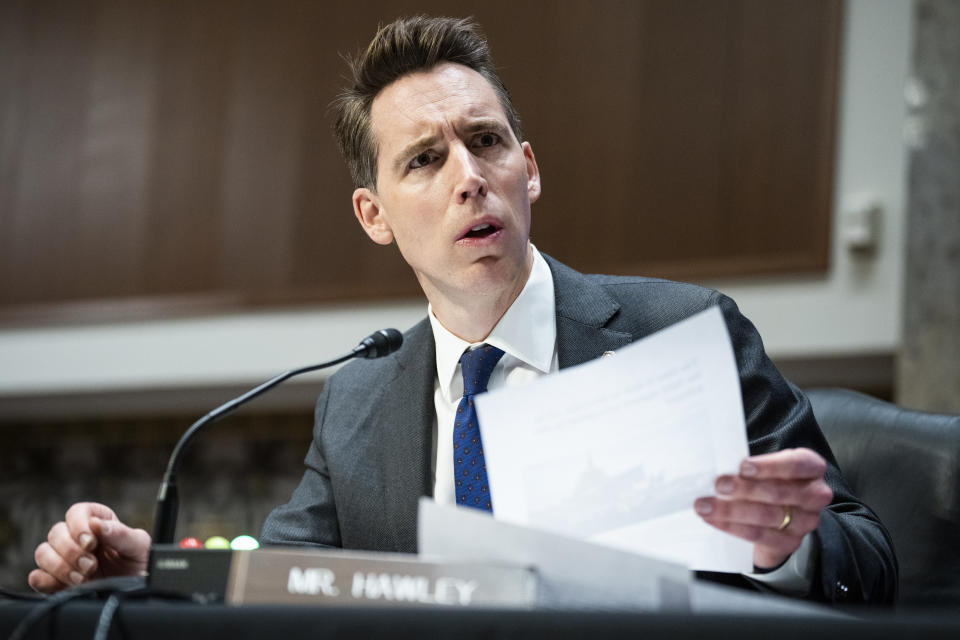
<point>481,231</point>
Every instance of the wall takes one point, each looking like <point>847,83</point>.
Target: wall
<point>229,481</point>
<point>854,310</point>
<point>857,308</point>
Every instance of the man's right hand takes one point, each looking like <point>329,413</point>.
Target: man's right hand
<point>90,543</point>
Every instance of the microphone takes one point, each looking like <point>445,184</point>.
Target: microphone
<point>379,344</point>
<point>376,345</point>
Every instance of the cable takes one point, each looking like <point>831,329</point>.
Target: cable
<point>41,610</point>
<point>106,617</point>
<point>21,595</point>
<point>87,590</point>
<point>112,605</point>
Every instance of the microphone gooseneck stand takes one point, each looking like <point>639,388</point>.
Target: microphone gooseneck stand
<point>376,345</point>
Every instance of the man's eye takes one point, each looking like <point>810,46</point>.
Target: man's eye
<point>486,140</point>
<point>421,160</point>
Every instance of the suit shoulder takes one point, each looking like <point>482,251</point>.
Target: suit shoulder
<point>361,375</point>
<point>675,299</point>
<point>647,284</point>
<point>638,305</point>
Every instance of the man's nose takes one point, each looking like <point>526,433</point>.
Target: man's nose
<point>470,180</point>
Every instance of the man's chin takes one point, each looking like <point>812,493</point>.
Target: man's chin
<point>484,279</point>
<point>495,279</point>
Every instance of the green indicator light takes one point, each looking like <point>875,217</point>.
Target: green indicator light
<point>244,543</point>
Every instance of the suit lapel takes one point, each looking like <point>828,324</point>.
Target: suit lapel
<point>583,311</point>
<point>404,439</point>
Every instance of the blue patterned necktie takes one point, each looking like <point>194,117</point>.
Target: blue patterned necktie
<point>469,467</point>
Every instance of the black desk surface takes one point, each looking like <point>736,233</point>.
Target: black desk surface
<point>183,621</point>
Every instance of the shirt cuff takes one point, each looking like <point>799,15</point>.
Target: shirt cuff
<point>794,576</point>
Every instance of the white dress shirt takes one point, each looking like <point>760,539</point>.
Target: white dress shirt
<point>527,334</point>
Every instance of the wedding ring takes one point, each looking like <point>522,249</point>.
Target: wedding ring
<point>787,517</point>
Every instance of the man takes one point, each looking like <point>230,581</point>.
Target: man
<point>435,149</point>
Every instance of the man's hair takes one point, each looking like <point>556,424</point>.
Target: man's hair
<point>402,47</point>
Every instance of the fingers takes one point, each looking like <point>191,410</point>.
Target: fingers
<point>63,558</point>
<point>92,524</point>
<point>753,518</point>
<point>793,477</point>
<point>40,580</point>
<point>52,564</point>
<point>789,464</point>
<point>771,547</point>
<point>773,501</point>
<point>78,520</point>
<point>790,479</point>
<point>70,554</point>
<point>128,542</point>
<point>810,495</point>
<point>775,536</point>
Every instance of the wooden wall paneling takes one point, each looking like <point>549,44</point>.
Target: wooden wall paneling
<point>582,118</point>
<point>48,103</point>
<point>184,192</point>
<point>159,150</point>
<point>737,147</point>
<point>781,125</point>
<point>13,78</point>
<point>678,145</point>
<point>111,226</point>
<point>264,115</point>
<point>334,259</point>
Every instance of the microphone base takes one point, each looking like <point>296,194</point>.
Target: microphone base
<point>198,574</point>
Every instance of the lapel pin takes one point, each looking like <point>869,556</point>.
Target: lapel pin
<point>607,354</point>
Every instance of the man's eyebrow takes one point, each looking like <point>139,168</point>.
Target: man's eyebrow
<point>484,124</point>
<point>414,148</point>
<point>427,141</point>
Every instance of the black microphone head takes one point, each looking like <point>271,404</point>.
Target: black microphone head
<point>379,343</point>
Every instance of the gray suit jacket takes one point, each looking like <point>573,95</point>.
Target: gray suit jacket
<point>370,459</point>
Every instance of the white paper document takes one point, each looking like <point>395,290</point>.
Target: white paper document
<point>571,573</point>
<point>617,449</point>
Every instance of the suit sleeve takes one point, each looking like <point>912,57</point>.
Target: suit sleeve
<point>310,517</point>
<point>855,558</point>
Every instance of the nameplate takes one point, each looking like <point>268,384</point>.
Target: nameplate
<point>311,577</point>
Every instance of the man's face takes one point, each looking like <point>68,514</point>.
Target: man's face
<point>454,186</point>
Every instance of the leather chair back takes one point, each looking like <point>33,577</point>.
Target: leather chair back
<point>905,465</point>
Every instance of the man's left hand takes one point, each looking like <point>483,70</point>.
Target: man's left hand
<point>774,501</point>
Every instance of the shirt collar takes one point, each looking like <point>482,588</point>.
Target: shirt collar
<point>527,331</point>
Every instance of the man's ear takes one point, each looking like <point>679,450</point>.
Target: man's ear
<point>369,212</point>
<point>533,172</point>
